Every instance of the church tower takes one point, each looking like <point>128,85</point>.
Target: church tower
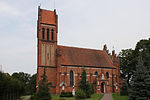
<point>47,29</point>
<point>47,37</point>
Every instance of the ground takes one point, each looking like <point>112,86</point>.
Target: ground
<point>93,97</point>
<point>117,96</point>
<point>114,96</point>
<point>107,96</point>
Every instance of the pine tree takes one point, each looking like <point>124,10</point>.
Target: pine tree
<point>140,83</point>
<point>85,86</point>
<point>124,89</point>
<point>147,83</point>
<point>43,92</point>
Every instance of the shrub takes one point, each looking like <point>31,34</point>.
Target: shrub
<point>91,88</point>
<point>33,97</point>
<point>80,94</point>
<point>66,94</point>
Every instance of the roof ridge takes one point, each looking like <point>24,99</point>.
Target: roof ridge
<point>80,48</point>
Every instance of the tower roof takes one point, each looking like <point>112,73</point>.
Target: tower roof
<point>47,16</point>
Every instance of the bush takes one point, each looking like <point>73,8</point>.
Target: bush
<point>66,94</point>
<point>91,88</point>
<point>80,94</point>
<point>33,97</point>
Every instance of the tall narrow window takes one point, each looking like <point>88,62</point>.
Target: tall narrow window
<point>43,33</point>
<point>71,78</point>
<point>47,34</point>
<point>52,34</point>
<point>107,74</point>
<point>96,73</point>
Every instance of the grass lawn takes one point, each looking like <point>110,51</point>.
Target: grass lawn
<point>22,97</point>
<point>117,96</point>
<point>93,97</point>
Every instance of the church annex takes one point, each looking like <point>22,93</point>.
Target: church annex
<point>64,64</point>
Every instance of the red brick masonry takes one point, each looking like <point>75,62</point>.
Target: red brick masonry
<point>102,68</point>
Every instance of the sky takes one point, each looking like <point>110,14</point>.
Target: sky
<point>82,23</point>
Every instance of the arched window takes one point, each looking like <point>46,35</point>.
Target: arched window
<point>96,73</point>
<point>107,74</point>
<point>47,34</point>
<point>43,33</point>
<point>52,34</point>
<point>71,78</point>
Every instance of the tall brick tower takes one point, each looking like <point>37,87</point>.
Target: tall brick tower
<point>47,43</point>
<point>64,64</point>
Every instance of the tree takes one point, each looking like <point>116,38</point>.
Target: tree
<point>10,88</point>
<point>25,79</point>
<point>139,88</point>
<point>84,86</point>
<point>127,64</point>
<point>129,59</point>
<point>33,83</point>
<point>124,89</point>
<point>143,49</point>
<point>43,92</point>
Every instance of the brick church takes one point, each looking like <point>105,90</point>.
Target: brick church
<point>64,64</point>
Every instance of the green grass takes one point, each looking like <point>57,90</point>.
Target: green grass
<point>93,97</point>
<point>117,96</point>
<point>55,97</point>
<point>22,97</point>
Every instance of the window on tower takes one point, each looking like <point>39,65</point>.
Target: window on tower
<point>52,34</point>
<point>43,33</point>
<point>47,34</point>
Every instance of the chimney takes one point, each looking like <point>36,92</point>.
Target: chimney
<point>105,47</point>
<point>113,53</point>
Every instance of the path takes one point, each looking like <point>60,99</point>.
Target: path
<point>107,96</point>
<point>27,98</point>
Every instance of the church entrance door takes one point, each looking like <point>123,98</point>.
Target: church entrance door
<point>103,87</point>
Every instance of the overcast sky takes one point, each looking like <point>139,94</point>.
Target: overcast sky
<point>82,23</point>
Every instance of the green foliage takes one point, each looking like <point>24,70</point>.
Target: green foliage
<point>28,81</point>
<point>80,94</point>
<point>140,83</point>
<point>124,89</point>
<point>129,59</point>
<point>143,49</point>
<point>9,87</point>
<point>33,97</point>
<point>84,86</point>
<point>91,88</point>
<point>127,64</point>
<point>66,94</point>
<point>43,92</point>
<point>32,83</point>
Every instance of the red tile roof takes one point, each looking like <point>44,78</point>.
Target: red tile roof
<point>84,57</point>
<point>47,17</point>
